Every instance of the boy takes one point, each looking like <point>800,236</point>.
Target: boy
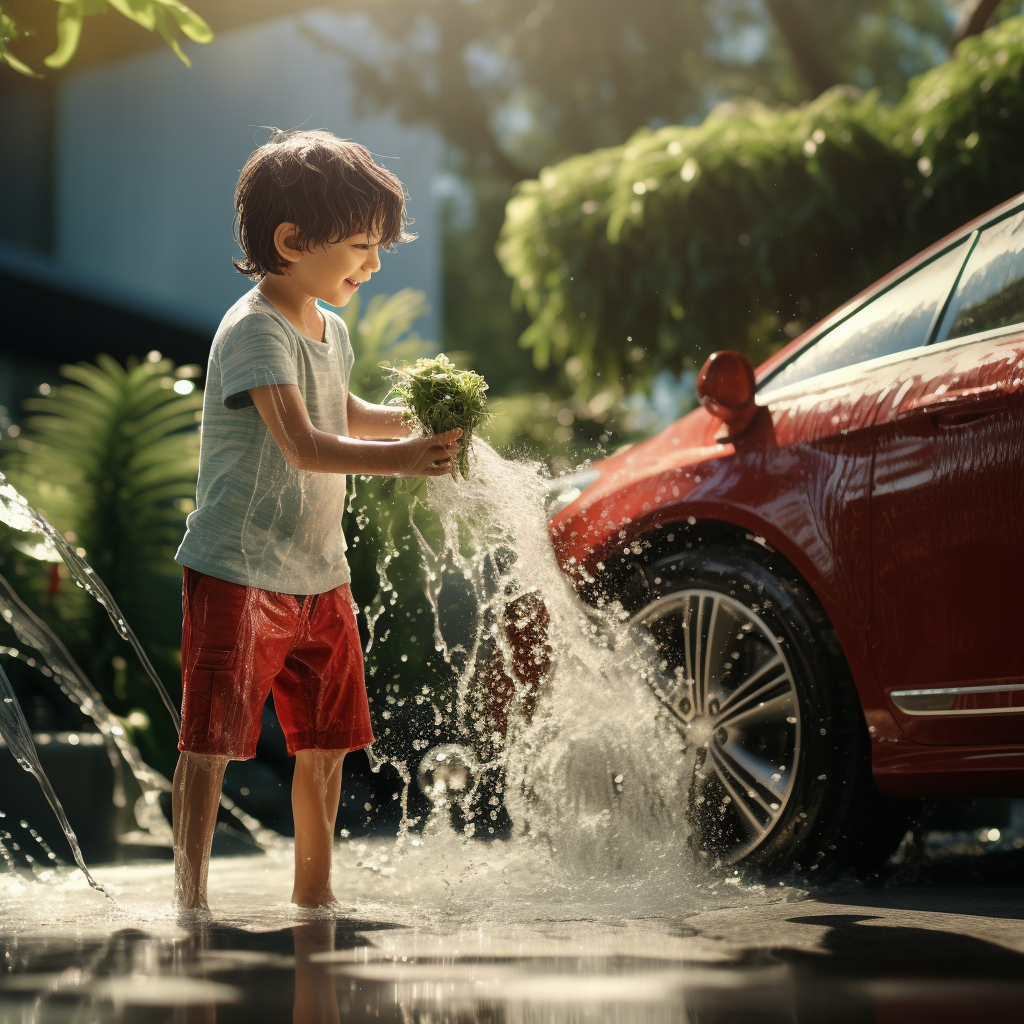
<point>266,597</point>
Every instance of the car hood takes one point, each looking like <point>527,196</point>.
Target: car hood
<point>667,456</point>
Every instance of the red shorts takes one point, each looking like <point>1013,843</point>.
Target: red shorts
<point>239,643</point>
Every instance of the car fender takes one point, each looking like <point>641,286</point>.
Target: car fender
<point>792,499</point>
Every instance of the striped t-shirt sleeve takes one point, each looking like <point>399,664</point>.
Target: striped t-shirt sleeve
<point>255,352</point>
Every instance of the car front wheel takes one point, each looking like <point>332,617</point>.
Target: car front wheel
<point>757,684</point>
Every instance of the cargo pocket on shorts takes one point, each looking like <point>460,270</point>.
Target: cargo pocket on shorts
<point>209,659</point>
<point>216,621</point>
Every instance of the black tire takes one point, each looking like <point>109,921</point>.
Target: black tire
<point>753,610</point>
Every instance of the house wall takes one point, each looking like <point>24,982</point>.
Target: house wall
<point>148,152</point>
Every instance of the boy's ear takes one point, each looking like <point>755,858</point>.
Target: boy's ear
<point>285,236</point>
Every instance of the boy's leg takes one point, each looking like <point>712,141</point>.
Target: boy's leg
<point>194,801</point>
<point>320,697</point>
<point>316,791</point>
<point>234,641</point>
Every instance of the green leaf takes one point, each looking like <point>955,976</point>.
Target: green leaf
<point>69,31</point>
<point>17,65</point>
<point>139,11</point>
<point>191,25</point>
<point>168,35</point>
<point>112,455</point>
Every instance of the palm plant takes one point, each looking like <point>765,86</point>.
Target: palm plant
<point>111,458</point>
<point>383,334</point>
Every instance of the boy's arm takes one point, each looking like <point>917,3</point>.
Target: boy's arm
<point>319,451</point>
<point>366,420</point>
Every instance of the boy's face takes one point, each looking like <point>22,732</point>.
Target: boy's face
<point>334,272</point>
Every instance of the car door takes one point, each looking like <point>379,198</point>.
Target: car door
<point>947,511</point>
<point>824,406</point>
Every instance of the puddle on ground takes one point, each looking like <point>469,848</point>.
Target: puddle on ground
<point>476,944</point>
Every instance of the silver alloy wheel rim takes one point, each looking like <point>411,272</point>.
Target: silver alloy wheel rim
<point>729,686</point>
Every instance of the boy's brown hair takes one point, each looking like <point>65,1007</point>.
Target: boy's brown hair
<point>330,188</point>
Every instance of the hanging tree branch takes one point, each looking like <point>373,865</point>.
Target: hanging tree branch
<point>973,20</point>
<point>168,17</point>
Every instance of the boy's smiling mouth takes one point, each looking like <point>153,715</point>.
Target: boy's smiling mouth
<point>355,284</point>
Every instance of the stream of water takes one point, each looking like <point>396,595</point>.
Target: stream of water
<point>592,767</point>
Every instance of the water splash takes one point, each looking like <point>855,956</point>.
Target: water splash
<point>16,733</point>
<point>58,663</point>
<point>17,513</point>
<point>592,766</point>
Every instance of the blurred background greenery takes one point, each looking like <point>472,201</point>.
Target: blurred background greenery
<point>625,188</point>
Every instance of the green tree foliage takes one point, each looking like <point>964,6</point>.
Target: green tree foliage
<point>650,255</point>
<point>168,17</point>
<point>514,84</point>
<point>111,458</point>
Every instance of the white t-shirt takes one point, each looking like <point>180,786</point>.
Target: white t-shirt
<point>259,521</point>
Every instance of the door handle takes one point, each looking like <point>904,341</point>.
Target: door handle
<point>961,406</point>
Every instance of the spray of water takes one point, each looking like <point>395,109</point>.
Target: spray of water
<point>592,768</point>
<point>18,736</point>
<point>56,662</point>
<point>17,513</point>
<point>59,665</point>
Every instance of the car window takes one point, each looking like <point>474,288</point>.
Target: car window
<point>897,319</point>
<point>990,294</point>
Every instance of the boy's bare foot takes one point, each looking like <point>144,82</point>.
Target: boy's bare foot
<point>187,902</point>
<point>193,917</point>
<point>324,900</point>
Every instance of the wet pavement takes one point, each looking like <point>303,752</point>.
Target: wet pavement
<point>940,941</point>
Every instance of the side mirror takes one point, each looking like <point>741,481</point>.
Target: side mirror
<point>725,387</point>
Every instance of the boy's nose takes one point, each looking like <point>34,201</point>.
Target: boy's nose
<point>372,261</point>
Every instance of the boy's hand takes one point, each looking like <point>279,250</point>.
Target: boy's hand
<point>427,456</point>
<point>307,448</point>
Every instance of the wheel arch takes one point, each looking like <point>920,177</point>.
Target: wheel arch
<point>625,579</point>
<point>653,541</point>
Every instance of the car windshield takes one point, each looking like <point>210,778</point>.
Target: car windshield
<point>990,295</point>
<point>896,320</point>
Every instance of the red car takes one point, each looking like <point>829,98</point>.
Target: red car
<point>830,555</point>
